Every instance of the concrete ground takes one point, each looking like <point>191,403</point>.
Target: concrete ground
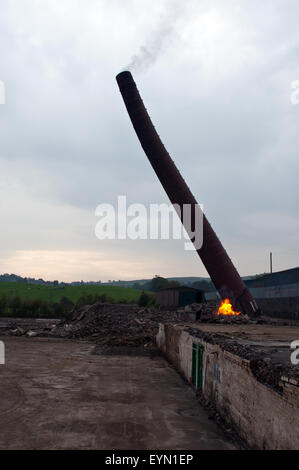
<point>57,394</point>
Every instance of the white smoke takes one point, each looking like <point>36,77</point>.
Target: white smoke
<point>160,39</point>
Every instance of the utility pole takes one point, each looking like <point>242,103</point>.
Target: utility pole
<point>271,263</point>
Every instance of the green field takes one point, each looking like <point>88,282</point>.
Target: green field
<point>73,293</point>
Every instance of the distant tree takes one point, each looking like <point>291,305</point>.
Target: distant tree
<point>90,300</point>
<point>203,285</point>
<point>81,302</point>
<point>3,305</point>
<point>35,308</point>
<point>45,310</point>
<point>173,284</point>
<point>15,304</point>
<point>67,306</point>
<point>137,286</point>
<point>26,308</point>
<point>57,310</point>
<point>158,283</point>
<point>144,299</point>
<point>103,298</point>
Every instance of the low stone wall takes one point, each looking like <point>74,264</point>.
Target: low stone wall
<point>265,418</point>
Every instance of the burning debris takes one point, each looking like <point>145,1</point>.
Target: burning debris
<point>226,309</point>
<point>212,312</point>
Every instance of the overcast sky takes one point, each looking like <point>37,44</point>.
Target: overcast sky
<point>216,78</point>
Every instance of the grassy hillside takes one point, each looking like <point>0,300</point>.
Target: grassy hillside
<point>73,293</point>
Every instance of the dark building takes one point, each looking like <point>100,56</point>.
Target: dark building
<point>277,293</point>
<point>280,278</point>
<point>179,296</point>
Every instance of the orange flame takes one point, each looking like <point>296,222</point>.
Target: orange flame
<point>226,308</point>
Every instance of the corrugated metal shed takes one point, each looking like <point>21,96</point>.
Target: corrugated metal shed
<point>289,276</point>
<point>179,296</point>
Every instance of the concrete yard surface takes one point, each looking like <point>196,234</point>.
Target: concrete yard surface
<point>58,394</point>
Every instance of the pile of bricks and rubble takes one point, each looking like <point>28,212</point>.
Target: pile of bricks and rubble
<point>114,324</point>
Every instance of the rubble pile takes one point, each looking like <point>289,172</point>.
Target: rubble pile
<point>131,329</point>
<point>119,324</point>
<point>29,327</point>
<point>114,324</point>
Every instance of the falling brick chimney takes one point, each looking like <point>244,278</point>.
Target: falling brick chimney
<point>214,257</point>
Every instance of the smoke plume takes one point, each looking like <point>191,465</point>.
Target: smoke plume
<point>159,40</point>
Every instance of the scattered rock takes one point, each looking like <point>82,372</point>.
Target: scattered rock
<point>17,332</point>
<point>31,334</point>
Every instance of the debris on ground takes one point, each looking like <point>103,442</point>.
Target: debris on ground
<point>17,332</point>
<point>129,329</point>
<point>207,313</point>
<point>31,334</point>
<point>114,325</point>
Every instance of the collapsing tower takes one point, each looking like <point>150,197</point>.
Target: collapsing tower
<point>214,257</point>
